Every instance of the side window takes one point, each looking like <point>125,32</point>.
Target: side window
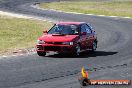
<point>88,29</point>
<point>83,29</point>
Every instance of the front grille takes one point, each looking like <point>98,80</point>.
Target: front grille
<point>39,47</point>
<point>66,49</point>
<point>52,48</point>
<point>54,43</point>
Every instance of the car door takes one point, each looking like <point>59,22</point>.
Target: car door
<point>90,36</point>
<point>83,37</point>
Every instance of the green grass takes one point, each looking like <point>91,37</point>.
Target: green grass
<point>16,33</point>
<point>117,8</point>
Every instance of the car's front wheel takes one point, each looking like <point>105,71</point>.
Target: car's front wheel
<point>41,53</point>
<point>78,50</point>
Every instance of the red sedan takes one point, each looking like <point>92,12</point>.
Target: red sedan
<point>69,37</point>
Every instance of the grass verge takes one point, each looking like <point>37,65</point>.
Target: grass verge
<point>16,33</point>
<point>116,8</point>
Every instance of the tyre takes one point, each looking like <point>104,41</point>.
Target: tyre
<point>41,53</point>
<point>78,49</point>
<point>94,46</point>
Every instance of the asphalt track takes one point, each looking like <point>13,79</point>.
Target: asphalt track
<point>113,59</point>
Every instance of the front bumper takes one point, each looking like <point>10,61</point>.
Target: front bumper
<point>55,48</point>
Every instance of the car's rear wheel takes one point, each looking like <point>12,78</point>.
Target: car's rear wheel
<point>78,49</point>
<point>41,53</point>
<point>94,46</point>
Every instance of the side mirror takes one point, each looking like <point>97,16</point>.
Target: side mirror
<point>45,32</point>
<point>84,33</point>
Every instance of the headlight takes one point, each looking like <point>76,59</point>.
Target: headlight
<point>67,43</point>
<point>40,42</point>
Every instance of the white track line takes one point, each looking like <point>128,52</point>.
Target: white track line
<point>37,7</point>
<point>15,15</point>
<point>25,16</point>
<point>13,55</point>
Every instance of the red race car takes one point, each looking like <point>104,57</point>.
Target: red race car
<point>67,37</point>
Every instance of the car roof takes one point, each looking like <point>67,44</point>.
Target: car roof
<point>68,23</point>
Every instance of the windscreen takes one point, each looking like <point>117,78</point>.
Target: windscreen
<point>64,29</point>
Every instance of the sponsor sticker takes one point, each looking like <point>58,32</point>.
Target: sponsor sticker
<point>85,80</point>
